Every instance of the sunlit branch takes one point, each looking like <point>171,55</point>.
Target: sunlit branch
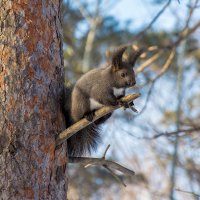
<point>67,133</point>
<point>148,62</point>
<point>162,71</point>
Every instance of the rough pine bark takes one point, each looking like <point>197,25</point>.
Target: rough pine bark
<point>31,82</point>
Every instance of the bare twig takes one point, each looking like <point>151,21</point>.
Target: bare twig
<point>104,155</point>
<point>175,132</point>
<point>115,176</point>
<point>98,114</point>
<point>185,33</point>
<point>101,162</point>
<point>140,34</point>
<point>159,50</point>
<point>148,62</point>
<point>85,13</point>
<point>191,11</point>
<point>162,71</point>
<point>164,134</point>
<point>192,193</point>
<point>183,36</point>
<point>107,164</point>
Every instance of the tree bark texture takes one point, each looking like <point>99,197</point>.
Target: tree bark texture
<point>31,83</point>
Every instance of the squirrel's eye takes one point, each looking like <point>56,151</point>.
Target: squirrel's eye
<point>123,75</point>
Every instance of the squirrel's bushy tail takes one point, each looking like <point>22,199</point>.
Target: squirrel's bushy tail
<point>84,141</point>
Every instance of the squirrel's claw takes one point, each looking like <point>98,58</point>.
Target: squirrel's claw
<point>128,105</point>
<point>125,104</point>
<point>131,106</point>
<point>89,116</point>
<point>134,109</point>
<point>131,103</point>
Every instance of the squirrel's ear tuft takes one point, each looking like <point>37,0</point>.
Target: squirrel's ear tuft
<point>133,57</point>
<point>117,58</point>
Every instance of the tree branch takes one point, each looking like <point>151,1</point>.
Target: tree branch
<point>185,33</point>
<point>175,132</point>
<point>107,164</point>
<point>162,71</point>
<point>188,192</point>
<point>67,133</point>
<point>163,134</point>
<point>141,34</point>
<point>101,162</point>
<point>148,62</point>
<point>115,176</point>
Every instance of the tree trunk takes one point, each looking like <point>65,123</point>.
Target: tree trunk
<point>31,83</point>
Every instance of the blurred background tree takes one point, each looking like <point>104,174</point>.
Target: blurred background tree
<point>162,142</point>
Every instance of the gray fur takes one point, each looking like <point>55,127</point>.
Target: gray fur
<point>98,85</point>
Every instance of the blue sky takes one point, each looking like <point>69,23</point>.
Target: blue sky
<point>142,12</point>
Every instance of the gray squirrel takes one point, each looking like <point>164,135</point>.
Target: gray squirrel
<point>96,88</point>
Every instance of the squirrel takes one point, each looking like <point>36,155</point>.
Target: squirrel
<point>96,88</point>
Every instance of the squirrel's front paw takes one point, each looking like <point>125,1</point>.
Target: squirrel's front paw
<point>124,104</point>
<point>89,116</point>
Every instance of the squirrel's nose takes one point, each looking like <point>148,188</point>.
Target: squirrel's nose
<point>131,82</point>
